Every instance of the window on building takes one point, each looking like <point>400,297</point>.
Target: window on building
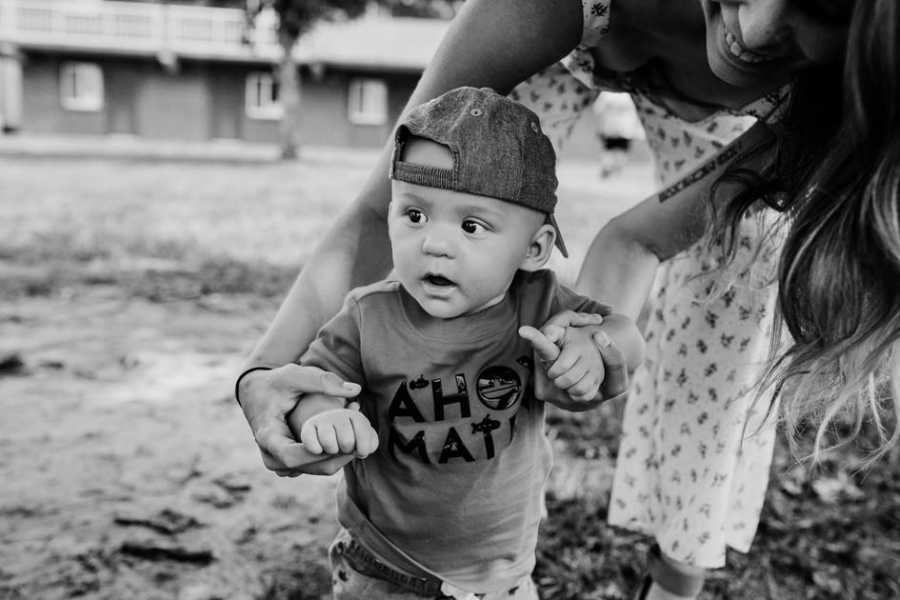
<point>368,102</point>
<point>81,86</point>
<point>262,99</point>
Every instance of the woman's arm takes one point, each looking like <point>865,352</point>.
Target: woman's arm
<point>493,43</point>
<point>621,262</point>
<point>623,281</point>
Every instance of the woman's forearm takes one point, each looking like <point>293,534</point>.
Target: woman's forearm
<point>353,252</point>
<point>617,270</point>
<point>621,262</point>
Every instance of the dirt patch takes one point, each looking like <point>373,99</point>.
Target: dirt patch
<point>128,470</point>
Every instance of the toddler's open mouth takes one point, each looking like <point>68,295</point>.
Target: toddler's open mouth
<point>438,280</point>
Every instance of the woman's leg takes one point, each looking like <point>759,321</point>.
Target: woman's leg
<point>669,579</point>
<point>696,448</point>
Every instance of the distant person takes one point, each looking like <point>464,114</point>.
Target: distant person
<point>618,126</point>
<point>445,496</point>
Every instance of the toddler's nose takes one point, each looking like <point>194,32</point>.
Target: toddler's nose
<point>437,244</point>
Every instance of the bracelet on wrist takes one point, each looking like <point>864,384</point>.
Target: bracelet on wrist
<point>617,396</point>
<point>237,382</point>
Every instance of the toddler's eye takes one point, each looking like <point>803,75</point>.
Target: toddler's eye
<point>471,227</point>
<point>415,215</point>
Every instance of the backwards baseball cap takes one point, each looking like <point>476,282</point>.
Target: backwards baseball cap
<point>497,146</point>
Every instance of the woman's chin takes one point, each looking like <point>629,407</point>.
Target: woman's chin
<point>760,78</point>
<point>731,75</point>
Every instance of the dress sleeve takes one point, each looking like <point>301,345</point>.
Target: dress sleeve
<point>596,21</point>
<point>678,146</point>
<point>337,345</point>
<point>560,93</point>
<point>558,98</point>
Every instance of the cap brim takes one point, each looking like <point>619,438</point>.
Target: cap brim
<point>559,239</point>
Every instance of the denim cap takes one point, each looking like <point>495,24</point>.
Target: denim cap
<point>497,146</point>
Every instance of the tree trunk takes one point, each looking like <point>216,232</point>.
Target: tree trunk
<point>289,90</point>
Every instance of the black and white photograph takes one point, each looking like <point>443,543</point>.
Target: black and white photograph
<point>449,299</point>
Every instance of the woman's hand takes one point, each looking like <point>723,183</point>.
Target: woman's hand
<point>267,396</point>
<point>615,379</point>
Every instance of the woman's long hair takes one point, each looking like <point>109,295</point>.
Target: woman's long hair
<point>837,176</point>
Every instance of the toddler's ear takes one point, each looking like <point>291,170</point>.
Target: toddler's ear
<point>540,248</point>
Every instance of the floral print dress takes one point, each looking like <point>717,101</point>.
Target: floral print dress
<point>694,458</point>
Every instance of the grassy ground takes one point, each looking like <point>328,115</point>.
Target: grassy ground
<point>219,244</point>
<point>827,533</point>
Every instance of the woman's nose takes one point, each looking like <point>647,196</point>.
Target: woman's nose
<point>764,23</point>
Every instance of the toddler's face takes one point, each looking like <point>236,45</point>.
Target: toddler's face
<point>457,253</point>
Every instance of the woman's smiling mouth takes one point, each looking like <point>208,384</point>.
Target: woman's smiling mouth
<point>776,47</point>
<point>738,51</point>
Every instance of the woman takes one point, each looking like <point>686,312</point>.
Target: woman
<point>699,72</point>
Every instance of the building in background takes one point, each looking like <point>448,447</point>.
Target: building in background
<point>180,72</point>
<point>185,72</point>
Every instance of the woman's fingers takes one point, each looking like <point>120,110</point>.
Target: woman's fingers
<point>568,318</point>
<point>585,392</point>
<point>323,466</point>
<point>586,388</point>
<point>328,466</point>
<point>281,453</point>
<point>300,380</point>
<point>274,440</point>
<point>566,377</point>
<point>615,382</point>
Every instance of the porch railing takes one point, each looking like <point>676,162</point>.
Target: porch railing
<point>127,27</point>
<point>202,32</point>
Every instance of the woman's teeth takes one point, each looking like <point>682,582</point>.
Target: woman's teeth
<point>739,52</point>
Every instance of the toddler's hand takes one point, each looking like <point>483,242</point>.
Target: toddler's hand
<point>570,359</point>
<point>339,431</point>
